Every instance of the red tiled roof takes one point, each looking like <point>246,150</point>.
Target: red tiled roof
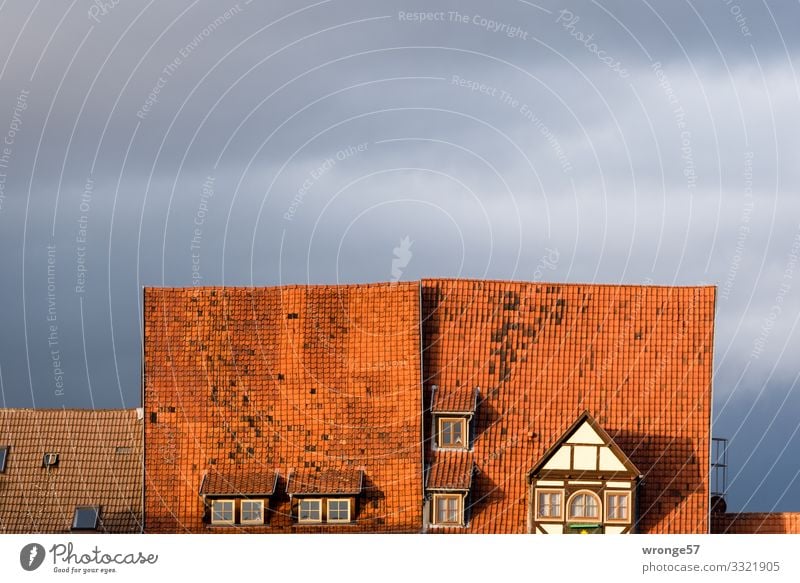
<point>326,482</point>
<point>451,470</point>
<point>454,400</point>
<point>239,484</point>
<point>756,523</point>
<point>281,379</point>
<point>99,464</point>
<point>639,358</point>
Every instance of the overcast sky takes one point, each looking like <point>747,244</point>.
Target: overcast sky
<point>213,142</point>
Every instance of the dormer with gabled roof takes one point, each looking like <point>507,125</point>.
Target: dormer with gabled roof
<point>583,484</point>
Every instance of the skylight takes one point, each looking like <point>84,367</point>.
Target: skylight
<point>50,460</point>
<point>86,518</point>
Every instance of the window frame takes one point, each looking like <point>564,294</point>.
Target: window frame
<point>233,511</point>
<point>328,510</point>
<point>598,518</point>
<point>309,520</point>
<point>460,510</point>
<point>440,433</point>
<point>55,457</point>
<point>538,517</point>
<point>622,493</point>
<point>252,521</point>
<point>4,457</point>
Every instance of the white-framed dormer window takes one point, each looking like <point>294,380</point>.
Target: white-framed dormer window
<point>338,510</point>
<point>448,509</point>
<point>50,460</point>
<point>618,507</point>
<point>549,504</point>
<point>222,511</point>
<point>452,433</point>
<point>251,512</point>
<point>309,510</point>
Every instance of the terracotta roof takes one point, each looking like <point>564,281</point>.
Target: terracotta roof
<point>99,464</point>
<point>451,471</point>
<point>639,358</point>
<point>454,400</point>
<point>239,484</point>
<point>325,482</point>
<point>756,523</point>
<point>280,379</point>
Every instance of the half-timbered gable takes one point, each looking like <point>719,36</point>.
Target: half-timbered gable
<point>583,484</point>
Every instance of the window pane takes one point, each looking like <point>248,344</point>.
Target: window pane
<point>309,510</point>
<point>441,510</point>
<point>591,506</point>
<point>458,439</point>
<point>447,437</point>
<point>85,518</point>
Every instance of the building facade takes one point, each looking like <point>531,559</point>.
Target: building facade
<point>66,470</point>
<point>428,407</point>
<point>440,406</point>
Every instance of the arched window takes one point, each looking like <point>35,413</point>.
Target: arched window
<point>584,505</point>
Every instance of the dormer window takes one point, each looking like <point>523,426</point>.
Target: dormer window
<point>325,497</point>
<point>453,411</point>
<point>583,484</point>
<point>452,432</point>
<point>238,499</point>
<point>3,458</point>
<point>50,460</point>
<point>448,483</point>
